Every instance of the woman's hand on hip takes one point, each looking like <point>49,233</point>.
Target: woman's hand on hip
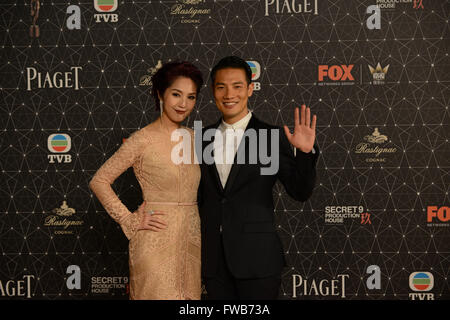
<point>151,219</point>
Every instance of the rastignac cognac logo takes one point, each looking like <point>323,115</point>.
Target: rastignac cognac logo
<point>61,221</point>
<point>375,147</point>
<point>146,80</point>
<point>190,11</point>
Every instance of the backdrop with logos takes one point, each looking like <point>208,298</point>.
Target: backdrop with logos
<point>75,81</point>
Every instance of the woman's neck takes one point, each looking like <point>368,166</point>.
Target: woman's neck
<point>168,125</point>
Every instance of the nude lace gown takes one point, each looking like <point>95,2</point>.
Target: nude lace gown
<point>164,264</point>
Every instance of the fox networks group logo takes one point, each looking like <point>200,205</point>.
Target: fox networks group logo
<point>438,216</point>
<point>256,73</point>
<point>59,143</point>
<point>335,75</point>
<point>105,7</point>
<point>421,282</point>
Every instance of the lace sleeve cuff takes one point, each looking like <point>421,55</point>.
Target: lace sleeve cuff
<point>130,224</point>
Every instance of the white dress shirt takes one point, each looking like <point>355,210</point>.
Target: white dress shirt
<point>224,148</point>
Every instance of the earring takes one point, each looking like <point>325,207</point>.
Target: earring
<point>160,107</point>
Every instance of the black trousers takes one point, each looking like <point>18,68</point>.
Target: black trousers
<point>224,286</point>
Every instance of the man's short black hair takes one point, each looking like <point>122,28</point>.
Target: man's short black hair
<point>232,62</point>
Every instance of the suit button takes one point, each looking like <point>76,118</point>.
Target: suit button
<point>224,200</point>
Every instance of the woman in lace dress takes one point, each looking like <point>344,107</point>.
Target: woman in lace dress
<point>164,233</point>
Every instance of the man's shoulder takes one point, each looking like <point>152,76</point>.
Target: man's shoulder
<point>263,124</point>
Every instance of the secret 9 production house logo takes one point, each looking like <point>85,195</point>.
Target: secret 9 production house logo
<point>110,285</point>
<point>337,215</point>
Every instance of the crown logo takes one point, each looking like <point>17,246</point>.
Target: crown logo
<point>378,72</point>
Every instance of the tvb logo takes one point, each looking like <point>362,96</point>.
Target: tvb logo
<point>421,282</point>
<point>59,143</point>
<point>255,67</point>
<point>106,7</point>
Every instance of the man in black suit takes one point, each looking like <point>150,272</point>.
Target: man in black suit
<point>242,255</point>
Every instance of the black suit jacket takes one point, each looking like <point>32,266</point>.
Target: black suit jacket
<point>243,212</point>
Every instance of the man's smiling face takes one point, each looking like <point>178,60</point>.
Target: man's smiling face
<point>231,93</point>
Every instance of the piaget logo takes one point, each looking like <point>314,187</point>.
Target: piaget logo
<point>17,288</point>
<point>325,287</point>
<point>190,11</point>
<point>375,147</point>
<point>291,7</point>
<point>59,219</point>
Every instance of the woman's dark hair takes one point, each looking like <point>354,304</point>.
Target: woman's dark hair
<point>169,72</point>
<point>232,62</point>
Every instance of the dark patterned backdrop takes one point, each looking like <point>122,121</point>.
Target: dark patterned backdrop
<point>75,82</point>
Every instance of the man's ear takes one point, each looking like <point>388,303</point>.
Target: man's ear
<point>251,86</point>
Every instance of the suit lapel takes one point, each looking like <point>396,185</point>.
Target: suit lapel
<point>212,167</point>
<point>236,167</point>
